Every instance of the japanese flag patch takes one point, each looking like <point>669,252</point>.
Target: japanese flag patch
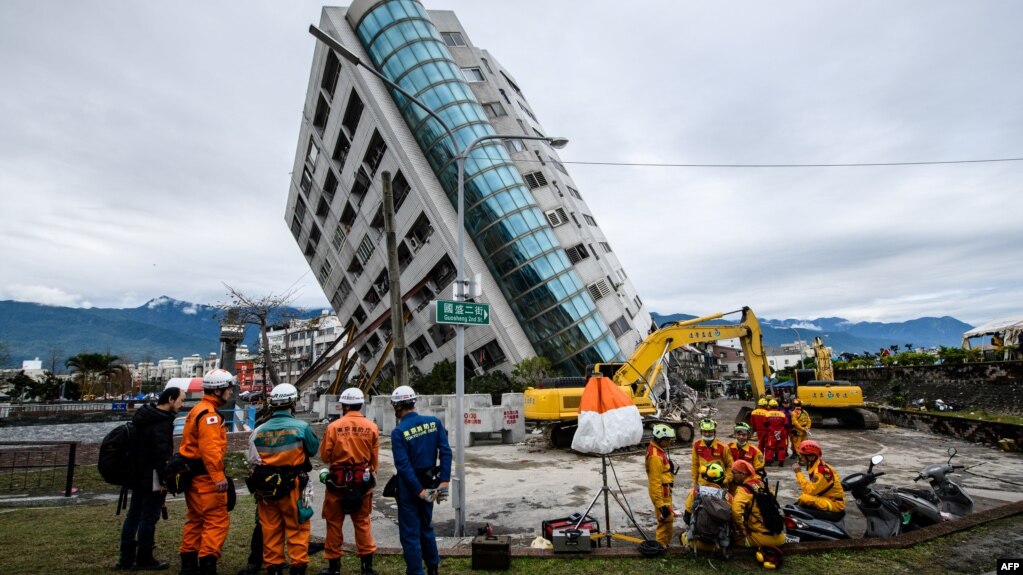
<point>212,420</point>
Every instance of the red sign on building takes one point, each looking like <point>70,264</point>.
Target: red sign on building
<point>245,370</point>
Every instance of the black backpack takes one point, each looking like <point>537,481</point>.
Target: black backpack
<point>117,455</point>
<point>711,520</point>
<point>770,511</point>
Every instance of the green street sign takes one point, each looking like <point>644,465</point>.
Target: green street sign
<point>462,313</point>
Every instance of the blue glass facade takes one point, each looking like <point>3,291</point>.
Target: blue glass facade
<point>501,217</point>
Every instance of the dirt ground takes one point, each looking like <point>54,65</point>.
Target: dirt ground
<point>516,487</point>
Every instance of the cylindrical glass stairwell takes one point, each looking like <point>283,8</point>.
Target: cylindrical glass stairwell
<point>501,216</point>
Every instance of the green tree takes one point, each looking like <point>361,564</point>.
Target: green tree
<point>495,383</point>
<point>955,355</point>
<point>528,372</point>
<point>22,386</point>
<point>440,380</point>
<point>94,371</point>
<point>914,358</point>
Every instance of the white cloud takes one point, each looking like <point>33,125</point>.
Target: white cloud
<point>43,294</point>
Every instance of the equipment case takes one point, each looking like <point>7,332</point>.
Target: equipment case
<point>572,541</point>
<point>589,525</point>
<point>491,552</point>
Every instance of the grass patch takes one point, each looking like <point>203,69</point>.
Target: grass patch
<point>84,539</point>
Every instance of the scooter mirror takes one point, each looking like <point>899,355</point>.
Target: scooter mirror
<point>876,459</point>
<point>951,452</point>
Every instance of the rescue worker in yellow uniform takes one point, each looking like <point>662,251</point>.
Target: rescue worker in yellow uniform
<point>351,447</point>
<point>801,424</point>
<point>660,473</point>
<point>709,450</point>
<point>204,445</point>
<point>743,450</point>
<point>279,452</point>
<point>746,516</point>
<point>822,488</point>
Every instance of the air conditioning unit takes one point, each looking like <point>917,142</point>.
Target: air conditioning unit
<point>413,243</point>
<point>480,371</point>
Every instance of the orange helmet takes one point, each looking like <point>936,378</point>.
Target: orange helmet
<point>810,447</point>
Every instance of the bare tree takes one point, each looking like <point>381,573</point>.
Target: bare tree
<point>263,312</point>
<point>53,358</point>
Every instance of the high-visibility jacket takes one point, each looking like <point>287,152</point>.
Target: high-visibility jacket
<point>351,439</point>
<point>704,454</point>
<point>204,437</point>
<point>801,421</point>
<point>660,479</point>
<point>756,420</point>
<point>822,485</point>
<point>283,441</point>
<point>749,453</point>
<point>748,519</point>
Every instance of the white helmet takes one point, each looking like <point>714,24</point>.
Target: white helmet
<point>284,394</point>
<point>217,379</point>
<point>351,396</point>
<point>403,394</point>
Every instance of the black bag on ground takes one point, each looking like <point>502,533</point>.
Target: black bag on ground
<point>769,508</point>
<point>118,455</point>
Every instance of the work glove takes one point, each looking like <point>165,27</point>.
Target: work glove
<point>442,491</point>
<point>428,495</point>
<point>665,511</point>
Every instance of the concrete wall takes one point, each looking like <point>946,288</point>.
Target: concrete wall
<point>984,432</point>
<point>995,386</point>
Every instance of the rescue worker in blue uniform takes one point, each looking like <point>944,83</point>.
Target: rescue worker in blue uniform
<point>417,442</point>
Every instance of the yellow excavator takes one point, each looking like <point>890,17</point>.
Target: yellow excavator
<point>553,404</point>
<point>827,397</point>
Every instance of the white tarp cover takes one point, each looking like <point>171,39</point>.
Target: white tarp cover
<point>1013,324</point>
<point>608,419</point>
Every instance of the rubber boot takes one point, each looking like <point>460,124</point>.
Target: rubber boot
<point>333,567</point>
<point>298,569</point>
<point>367,565</point>
<point>250,569</point>
<point>432,569</point>
<point>145,561</point>
<point>275,570</point>
<point>208,565</point>
<point>190,563</point>
<point>127,556</point>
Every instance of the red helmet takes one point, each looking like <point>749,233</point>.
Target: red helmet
<point>810,447</point>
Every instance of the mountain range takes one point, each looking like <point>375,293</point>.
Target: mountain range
<point>842,335</point>
<point>164,327</point>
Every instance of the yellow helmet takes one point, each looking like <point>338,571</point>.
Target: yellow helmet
<point>713,472</point>
<point>772,403</point>
<point>762,402</point>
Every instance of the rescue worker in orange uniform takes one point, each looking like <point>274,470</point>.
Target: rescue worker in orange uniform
<point>777,436</point>
<point>204,444</point>
<point>822,488</point>
<point>709,450</point>
<point>743,450</point>
<point>746,516</point>
<point>801,424</point>
<point>756,420</point>
<point>660,473</point>
<point>351,447</point>
<point>279,452</point>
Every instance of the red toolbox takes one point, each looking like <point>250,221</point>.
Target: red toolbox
<point>588,523</point>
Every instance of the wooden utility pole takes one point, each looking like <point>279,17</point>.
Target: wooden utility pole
<point>394,278</point>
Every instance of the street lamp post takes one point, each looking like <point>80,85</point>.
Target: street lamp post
<point>461,282</point>
<point>799,343</point>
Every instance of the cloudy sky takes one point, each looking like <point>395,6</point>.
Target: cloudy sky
<point>145,148</point>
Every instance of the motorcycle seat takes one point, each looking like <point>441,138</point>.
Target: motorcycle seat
<point>831,516</point>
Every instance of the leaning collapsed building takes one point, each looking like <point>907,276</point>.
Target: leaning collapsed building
<point>555,286</point>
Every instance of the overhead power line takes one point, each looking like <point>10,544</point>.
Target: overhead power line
<point>849,165</point>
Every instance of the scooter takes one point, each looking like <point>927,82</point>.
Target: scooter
<point>890,511</point>
<point>952,500</point>
<point>804,524</point>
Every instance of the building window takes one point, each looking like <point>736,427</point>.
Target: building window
<point>375,153</point>
<point>325,269</point>
<point>365,250</point>
<point>307,181</point>
<point>510,83</point>
<point>419,348</point>
<point>619,327</point>
<point>348,216</point>
<point>300,210</point>
<point>639,302</point>
<point>473,75</point>
<point>514,145</point>
<point>372,298</point>
<point>331,70</point>
<point>352,113</point>
<point>360,186</point>
<point>321,115</point>
<point>576,220</point>
<point>621,274</point>
<point>589,219</point>
<point>574,192</point>
<point>487,65</point>
<point>441,333</point>
<point>503,95</point>
<point>382,283</point>
<point>339,237</point>
<point>526,110</point>
<point>312,153</point>
<point>598,289</point>
<point>535,180</point>
<point>522,126</point>
<point>558,165</point>
<point>606,246</point>
<point>453,39</point>
<point>400,189</point>
<point>494,109</point>
<point>577,253</point>
<point>322,208</point>
<point>556,217</point>
<point>341,149</point>
<point>355,268</point>
<point>296,227</point>
<point>489,355</point>
<point>419,233</point>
